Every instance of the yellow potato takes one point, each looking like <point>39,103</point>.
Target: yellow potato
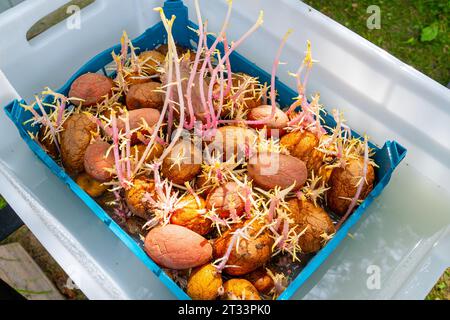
<point>239,289</point>
<point>314,220</point>
<point>134,197</point>
<point>343,184</point>
<point>204,283</point>
<point>92,187</point>
<point>191,217</point>
<point>151,61</point>
<point>252,253</point>
<point>261,280</point>
<point>183,163</point>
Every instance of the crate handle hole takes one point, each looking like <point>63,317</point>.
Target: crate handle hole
<point>55,17</point>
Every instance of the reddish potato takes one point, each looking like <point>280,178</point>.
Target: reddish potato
<point>192,216</point>
<point>226,200</point>
<point>204,283</point>
<point>134,197</point>
<point>239,289</point>
<point>93,187</point>
<point>145,95</point>
<point>199,110</point>
<point>75,139</point>
<point>343,185</point>
<point>250,255</point>
<point>183,163</point>
<point>93,88</point>
<point>137,118</point>
<point>316,222</point>
<point>177,247</point>
<point>276,126</point>
<point>233,142</point>
<point>269,170</point>
<point>98,163</point>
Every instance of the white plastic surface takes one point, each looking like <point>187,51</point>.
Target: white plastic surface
<point>405,232</point>
<point>7,4</point>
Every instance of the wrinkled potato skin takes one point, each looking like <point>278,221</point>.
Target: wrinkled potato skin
<point>97,162</point>
<point>92,88</point>
<point>343,182</point>
<point>152,60</point>
<point>251,254</point>
<point>134,197</point>
<point>145,95</point>
<point>261,280</point>
<point>92,187</point>
<point>137,118</point>
<point>204,283</point>
<point>190,216</point>
<point>224,199</point>
<point>302,146</point>
<point>187,169</point>
<point>239,289</point>
<point>315,219</point>
<point>155,152</point>
<point>75,139</point>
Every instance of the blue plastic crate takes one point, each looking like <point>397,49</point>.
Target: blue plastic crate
<point>387,157</point>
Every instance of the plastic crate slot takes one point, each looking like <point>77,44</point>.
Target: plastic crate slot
<point>55,17</point>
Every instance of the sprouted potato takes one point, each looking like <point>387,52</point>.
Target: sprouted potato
<point>239,289</point>
<point>180,163</point>
<point>204,283</point>
<point>145,95</point>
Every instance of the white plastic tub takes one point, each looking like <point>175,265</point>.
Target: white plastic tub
<point>407,235</point>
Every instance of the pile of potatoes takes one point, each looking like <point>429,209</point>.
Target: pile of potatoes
<point>84,154</point>
<point>190,241</point>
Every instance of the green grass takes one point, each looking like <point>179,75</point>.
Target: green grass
<point>415,31</point>
<point>2,203</point>
<point>441,290</point>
